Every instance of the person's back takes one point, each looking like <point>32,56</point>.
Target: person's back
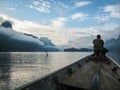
<point>98,45</point>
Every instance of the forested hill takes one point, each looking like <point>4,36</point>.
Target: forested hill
<point>11,40</point>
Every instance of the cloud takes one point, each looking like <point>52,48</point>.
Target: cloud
<point>63,36</point>
<point>10,8</point>
<point>113,10</point>
<point>109,13</point>
<point>80,4</point>
<point>58,23</point>
<point>80,16</point>
<point>22,25</point>
<point>18,36</point>
<point>65,8</point>
<point>102,17</point>
<point>54,31</point>
<point>30,6</point>
<point>60,7</point>
<point>41,6</point>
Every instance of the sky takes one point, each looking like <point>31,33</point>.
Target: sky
<point>67,23</point>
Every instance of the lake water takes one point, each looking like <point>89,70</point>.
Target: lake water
<point>19,68</point>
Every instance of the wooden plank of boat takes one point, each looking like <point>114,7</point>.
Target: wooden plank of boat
<point>102,74</point>
<point>109,79</point>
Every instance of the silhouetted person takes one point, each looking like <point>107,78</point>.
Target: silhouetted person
<point>46,54</point>
<point>98,46</point>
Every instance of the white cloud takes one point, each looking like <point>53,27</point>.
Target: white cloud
<point>21,26</point>
<point>102,17</point>
<point>109,13</point>
<point>30,6</point>
<point>36,3</point>
<point>41,6</point>
<point>61,35</point>
<point>80,4</point>
<point>60,7</point>
<point>10,8</point>
<point>9,33</point>
<point>58,23</point>
<point>54,31</point>
<point>80,16</point>
<point>113,10</point>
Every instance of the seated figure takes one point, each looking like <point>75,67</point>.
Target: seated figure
<point>98,46</point>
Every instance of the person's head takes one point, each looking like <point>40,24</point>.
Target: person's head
<point>98,36</point>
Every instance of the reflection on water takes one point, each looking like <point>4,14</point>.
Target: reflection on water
<point>115,55</point>
<point>18,68</point>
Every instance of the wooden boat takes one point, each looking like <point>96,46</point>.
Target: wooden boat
<point>94,74</point>
<point>87,74</point>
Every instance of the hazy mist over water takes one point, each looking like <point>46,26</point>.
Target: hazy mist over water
<point>19,68</point>
<point>115,55</point>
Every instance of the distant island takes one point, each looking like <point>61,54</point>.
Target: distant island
<point>111,44</point>
<point>73,49</point>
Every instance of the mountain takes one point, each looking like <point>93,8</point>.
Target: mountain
<point>11,40</point>
<point>113,44</point>
<point>46,41</point>
<point>7,24</point>
<point>71,49</point>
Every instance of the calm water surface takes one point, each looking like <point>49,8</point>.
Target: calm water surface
<point>19,68</point>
